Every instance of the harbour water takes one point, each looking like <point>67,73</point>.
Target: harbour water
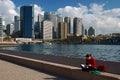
<point>100,52</point>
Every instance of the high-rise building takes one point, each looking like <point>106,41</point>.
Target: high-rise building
<point>62,30</point>
<point>51,16</point>
<point>1,29</point>
<point>9,29</point>
<point>16,23</point>
<point>27,21</point>
<point>68,21</point>
<point>38,26</point>
<point>47,30</point>
<point>59,19</point>
<point>40,18</point>
<point>91,32</point>
<point>86,33</point>
<point>77,26</point>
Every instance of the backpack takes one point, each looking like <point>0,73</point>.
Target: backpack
<point>101,68</point>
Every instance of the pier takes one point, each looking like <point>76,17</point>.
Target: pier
<point>68,67</point>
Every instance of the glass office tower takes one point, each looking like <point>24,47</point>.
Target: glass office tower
<point>27,21</point>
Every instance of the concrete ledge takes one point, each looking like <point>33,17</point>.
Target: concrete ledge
<point>110,65</point>
<point>74,73</point>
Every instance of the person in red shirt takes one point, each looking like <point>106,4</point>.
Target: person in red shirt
<point>90,62</point>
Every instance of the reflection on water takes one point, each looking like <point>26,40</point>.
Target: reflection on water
<point>101,52</point>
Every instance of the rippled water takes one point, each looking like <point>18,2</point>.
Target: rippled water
<point>100,52</point>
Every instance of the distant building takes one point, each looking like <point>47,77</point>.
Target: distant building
<point>1,29</point>
<point>38,27</point>
<point>16,23</point>
<point>72,39</point>
<point>51,16</point>
<point>40,18</point>
<point>91,32</point>
<point>68,21</point>
<point>86,33</point>
<point>62,30</point>
<point>9,29</point>
<point>77,27</point>
<point>47,30</point>
<point>59,19</point>
<point>27,21</point>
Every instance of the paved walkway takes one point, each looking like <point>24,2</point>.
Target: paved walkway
<point>10,71</point>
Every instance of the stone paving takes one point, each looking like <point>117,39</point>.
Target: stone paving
<point>10,71</point>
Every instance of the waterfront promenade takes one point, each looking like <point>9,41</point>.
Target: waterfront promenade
<point>11,71</point>
<point>68,68</point>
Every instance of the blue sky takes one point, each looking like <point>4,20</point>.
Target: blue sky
<point>53,5</point>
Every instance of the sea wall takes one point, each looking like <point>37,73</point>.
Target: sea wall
<point>112,67</point>
<point>71,72</point>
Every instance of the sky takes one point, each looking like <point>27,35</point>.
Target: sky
<point>102,15</point>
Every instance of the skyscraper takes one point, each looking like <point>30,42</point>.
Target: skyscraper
<point>38,26</point>
<point>62,30</point>
<point>86,33</point>
<point>9,29</point>
<point>1,28</point>
<point>91,32</point>
<point>16,23</point>
<point>68,21</point>
<point>59,19</point>
<point>27,21</point>
<point>77,26</point>
<point>46,30</point>
<point>51,16</point>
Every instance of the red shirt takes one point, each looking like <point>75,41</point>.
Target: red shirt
<point>91,62</point>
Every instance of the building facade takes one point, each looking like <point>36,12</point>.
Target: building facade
<point>62,30</point>
<point>16,23</point>
<point>38,26</point>
<point>91,32</point>
<point>9,29</point>
<point>86,33</point>
<point>68,21</point>
<point>51,16</point>
<point>77,27</point>
<point>27,21</point>
<point>1,29</point>
<point>59,19</point>
<point>47,30</point>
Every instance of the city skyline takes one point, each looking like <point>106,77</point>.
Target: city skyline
<point>103,15</point>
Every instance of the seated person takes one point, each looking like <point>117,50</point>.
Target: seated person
<point>90,63</point>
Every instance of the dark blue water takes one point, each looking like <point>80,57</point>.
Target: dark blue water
<point>100,52</point>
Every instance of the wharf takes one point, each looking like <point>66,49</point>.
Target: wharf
<point>62,66</point>
<point>11,71</point>
<point>3,44</point>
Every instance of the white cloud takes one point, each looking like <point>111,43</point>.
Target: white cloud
<point>7,10</point>
<point>113,12</point>
<point>104,21</point>
<point>73,11</point>
<point>37,10</point>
